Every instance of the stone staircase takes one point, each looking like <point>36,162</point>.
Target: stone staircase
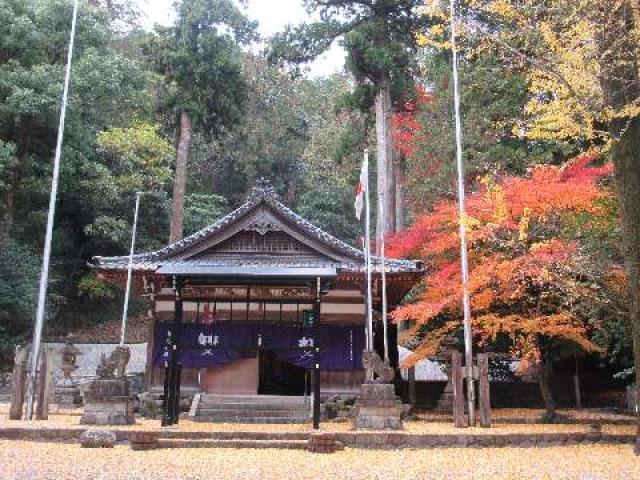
<point>249,409</point>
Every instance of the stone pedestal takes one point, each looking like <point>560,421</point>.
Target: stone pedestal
<point>445,402</point>
<point>107,401</point>
<point>67,393</point>
<point>378,407</point>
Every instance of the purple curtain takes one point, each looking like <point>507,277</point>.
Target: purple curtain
<point>204,346</point>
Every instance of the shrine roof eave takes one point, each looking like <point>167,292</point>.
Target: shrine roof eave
<point>253,275</point>
<point>186,268</point>
<point>246,272</point>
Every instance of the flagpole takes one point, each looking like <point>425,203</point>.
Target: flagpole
<point>384,279</point>
<point>464,261</point>
<point>127,291</point>
<point>367,248</point>
<point>44,275</point>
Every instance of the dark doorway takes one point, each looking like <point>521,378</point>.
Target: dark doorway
<point>278,377</point>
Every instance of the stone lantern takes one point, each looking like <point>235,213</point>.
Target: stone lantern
<point>444,354</point>
<point>67,391</point>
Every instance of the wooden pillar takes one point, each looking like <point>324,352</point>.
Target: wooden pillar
<point>151,335</point>
<point>457,378</point>
<point>18,382</point>
<point>576,388</point>
<point>316,358</point>
<point>171,403</point>
<point>43,386</point>
<point>165,395</point>
<point>576,385</point>
<point>485,398</point>
<point>177,366</point>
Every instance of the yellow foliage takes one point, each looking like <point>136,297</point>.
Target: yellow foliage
<point>556,45</point>
<point>523,224</point>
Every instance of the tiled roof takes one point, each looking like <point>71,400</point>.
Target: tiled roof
<point>151,261</point>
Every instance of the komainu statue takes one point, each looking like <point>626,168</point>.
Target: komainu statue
<point>376,368</point>
<point>115,364</point>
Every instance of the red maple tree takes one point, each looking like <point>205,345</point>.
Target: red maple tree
<point>525,283</point>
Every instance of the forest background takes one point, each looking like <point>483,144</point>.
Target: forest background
<point>143,102</point>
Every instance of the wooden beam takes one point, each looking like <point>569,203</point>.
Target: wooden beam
<point>485,398</point>
<point>457,377</point>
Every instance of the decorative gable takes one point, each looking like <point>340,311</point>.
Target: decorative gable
<point>261,233</point>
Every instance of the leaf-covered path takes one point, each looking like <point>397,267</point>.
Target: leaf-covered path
<point>20,460</point>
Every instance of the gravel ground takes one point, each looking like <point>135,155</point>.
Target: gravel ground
<point>26,460</point>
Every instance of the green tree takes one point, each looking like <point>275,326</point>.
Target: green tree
<point>268,143</point>
<point>379,36</point>
<point>493,100</point>
<point>200,59</point>
<point>107,87</point>
<point>139,156</point>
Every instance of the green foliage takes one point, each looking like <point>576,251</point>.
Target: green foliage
<point>492,102</point>
<point>140,156</point>
<point>92,287</point>
<point>201,62</point>
<point>107,90</point>
<point>329,206</point>
<point>114,230</point>
<point>379,37</point>
<point>19,275</point>
<point>8,162</point>
<point>201,210</point>
<point>268,143</point>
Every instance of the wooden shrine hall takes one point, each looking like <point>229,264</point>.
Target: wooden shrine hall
<point>261,302</point>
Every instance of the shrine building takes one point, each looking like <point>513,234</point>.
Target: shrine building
<point>252,303</point>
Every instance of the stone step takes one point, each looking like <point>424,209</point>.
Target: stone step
<point>5,398</point>
<point>253,399</point>
<point>252,406</point>
<point>240,412</point>
<point>278,444</point>
<point>251,409</point>
<point>273,420</point>
<point>232,435</point>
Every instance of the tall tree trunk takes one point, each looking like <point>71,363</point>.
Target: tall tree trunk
<point>391,189</point>
<point>545,390</point>
<point>383,157</point>
<point>626,158</point>
<point>399,192</point>
<point>620,84</point>
<point>180,181</point>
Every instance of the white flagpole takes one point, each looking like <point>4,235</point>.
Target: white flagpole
<point>367,248</point>
<point>44,275</point>
<point>468,347</point>
<point>384,280</point>
<point>130,270</point>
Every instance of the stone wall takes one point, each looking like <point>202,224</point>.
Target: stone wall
<point>520,394</point>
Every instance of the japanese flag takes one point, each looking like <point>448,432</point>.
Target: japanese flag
<point>363,185</point>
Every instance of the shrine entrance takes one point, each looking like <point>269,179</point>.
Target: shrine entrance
<point>279,377</point>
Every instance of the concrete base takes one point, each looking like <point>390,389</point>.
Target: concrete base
<point>108,402</point>
<point>378,407</point>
